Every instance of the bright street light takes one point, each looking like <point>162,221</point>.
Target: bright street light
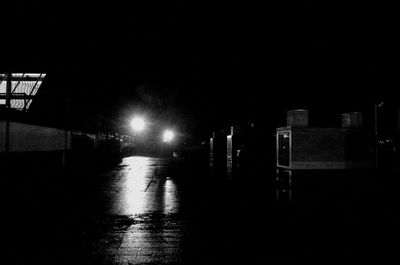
<point>138,124</point>
<point>168,136</point>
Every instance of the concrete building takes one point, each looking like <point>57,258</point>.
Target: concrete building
<point>299,147</point>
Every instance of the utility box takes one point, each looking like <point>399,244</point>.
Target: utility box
<point>297,117</point>
<point>352,120</point>
<point>218,148</point>
<point>307,148</point>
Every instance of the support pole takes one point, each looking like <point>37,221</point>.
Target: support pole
<point>8,90</point>
<point>377,106</point>
<point>8,107</point>
<point>66,133</point>
<point>376,136</point>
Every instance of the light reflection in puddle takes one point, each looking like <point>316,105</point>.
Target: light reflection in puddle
<point>142,186</point>
<point>138,177</point>
<point>146,193</point>
<point>171,202</point>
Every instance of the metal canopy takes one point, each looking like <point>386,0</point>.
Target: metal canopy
<point>17,90</point>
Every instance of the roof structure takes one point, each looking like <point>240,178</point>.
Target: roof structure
<point>17,90</point>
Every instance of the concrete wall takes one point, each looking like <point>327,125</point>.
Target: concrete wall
<point>2,136</point>
<point>33,138</point>
<point>329,148</point>
<point>297,117</point>
<point>318,146</point>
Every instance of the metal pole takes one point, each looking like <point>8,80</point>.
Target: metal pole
<point>8,90</point>
<point>66,127</point>
<point>8,107</point>
<point>376,136</point>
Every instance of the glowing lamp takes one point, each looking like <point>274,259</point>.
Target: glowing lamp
<point>138,124</point>
<point>168,136</point>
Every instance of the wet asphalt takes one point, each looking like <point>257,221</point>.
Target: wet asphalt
<point>149,210</point>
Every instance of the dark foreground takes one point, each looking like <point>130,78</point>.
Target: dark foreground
<point>160,211</point>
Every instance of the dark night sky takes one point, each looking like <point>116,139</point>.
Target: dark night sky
<point>202,62</point>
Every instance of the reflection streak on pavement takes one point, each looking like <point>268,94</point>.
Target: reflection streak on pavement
<point>141,189</point>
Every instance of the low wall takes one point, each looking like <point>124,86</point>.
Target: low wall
<point>32,138</point>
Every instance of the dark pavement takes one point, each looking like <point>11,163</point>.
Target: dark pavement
<point>160,211</point>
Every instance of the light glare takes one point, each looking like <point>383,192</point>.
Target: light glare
<point>168,136</point>
<point>137,124</point>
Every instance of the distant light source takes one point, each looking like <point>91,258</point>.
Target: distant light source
<point>168,136</point>
<point>138,124</point>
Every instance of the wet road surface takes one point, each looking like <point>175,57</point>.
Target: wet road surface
<point>142,203</point>
<point>160,211</point>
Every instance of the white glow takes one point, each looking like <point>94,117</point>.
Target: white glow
<point>138,124</point>
<point>137,176</point>
<point>168,136</point>
<point>152,244</point>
